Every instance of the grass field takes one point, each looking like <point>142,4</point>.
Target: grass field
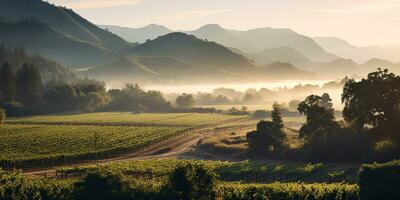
<point>35,142</point>
<point>129,119</point>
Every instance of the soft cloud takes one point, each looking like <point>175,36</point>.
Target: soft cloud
<point>89,4</point>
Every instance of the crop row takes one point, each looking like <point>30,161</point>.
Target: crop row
<point>24,146</point>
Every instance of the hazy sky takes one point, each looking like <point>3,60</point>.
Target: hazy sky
<point>361,22</point>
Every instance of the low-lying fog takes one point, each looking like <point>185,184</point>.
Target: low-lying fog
<point>254,96</point>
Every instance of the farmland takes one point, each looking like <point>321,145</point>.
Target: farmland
<point>37,142</point>
<point>129,119</point>
<point>69,138</point>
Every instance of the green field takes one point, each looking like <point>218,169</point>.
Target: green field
<point>37,142</point>
<point>128,119</point>
<point>69,138</point>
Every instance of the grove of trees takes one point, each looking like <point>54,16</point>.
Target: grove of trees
<point>369,131</point>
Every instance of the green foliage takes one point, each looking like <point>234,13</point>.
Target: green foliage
<point>42,145</point>
<point>13,185</point>
<point>2,116</point>
<point>276,116</point>
<point>13,108</point>
<point>289,191</point>
<point>8,84</point>
<point>185,101</point>
<point>191,182</point>
<point>380,181</point>
<point>103,186</point>
<point>268,137</point>
<point>133,98</point>
<point>374,102</point>
<point>30,86</point>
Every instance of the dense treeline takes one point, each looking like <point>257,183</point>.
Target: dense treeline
<point>369,131</point>
<point>24,92</point>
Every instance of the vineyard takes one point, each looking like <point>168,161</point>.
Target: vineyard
<point>25,145</point>
<point>245,171</point>
<point>129,119</point>
<point>147,178</point>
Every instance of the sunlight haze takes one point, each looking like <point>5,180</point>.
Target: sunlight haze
<point>368,22</point>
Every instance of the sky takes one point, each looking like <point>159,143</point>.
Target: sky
<point>361,22</point>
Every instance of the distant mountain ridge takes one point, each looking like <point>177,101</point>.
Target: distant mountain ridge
<point>359,54</point>
<point>179,57</point>
<point>249,42</point>
<point>139,35</point>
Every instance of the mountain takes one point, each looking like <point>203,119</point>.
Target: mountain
<point>281,54</point>
<point>359,54</point>
<point>140,69</point>
<point>199,53</point>
<point>58,22</point>
<point>269,38</point>
<point>139,35</point>
<point>215,33</point>
<point>60,18</point>
<point>280,70</point>
<point>36,37</point>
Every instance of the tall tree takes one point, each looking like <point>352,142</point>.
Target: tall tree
<point>277,116</point>
<point>8,88</point>
<point>30,86</point>
<point>374,102</point>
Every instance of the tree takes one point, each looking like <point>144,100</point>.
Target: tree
<point>8,87</point>
<point>277,116</point>
<point>30,86</point>
<point>192,181</point>
<point>185,101</point>
<point>267,138</point>
<point>2,116</point>
<point>102,186</point>
<point>62,96</point>
<point>374,103</point>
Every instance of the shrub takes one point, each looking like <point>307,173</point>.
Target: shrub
<point>2,116</point>
<point>380,181</point>
<point>13,108</point>
<point>191,181</point>
<point>100,186</point>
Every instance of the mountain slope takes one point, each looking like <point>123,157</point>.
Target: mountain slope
<point>281,54</point>
<point>216,33</point>
<point>280,70</point>
<point>269,38</point>
<point>60,18</point>
<point>204,55</point>
<point>139,35</point>
<point>359,54</point>
<point>39,38</point>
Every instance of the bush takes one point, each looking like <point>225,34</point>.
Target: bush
<point>261,114</point>
<point>380,181</point>
<point>191,181</point>
<point>13,108</point>
<point>2,116</point>
<point>105,186</point>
